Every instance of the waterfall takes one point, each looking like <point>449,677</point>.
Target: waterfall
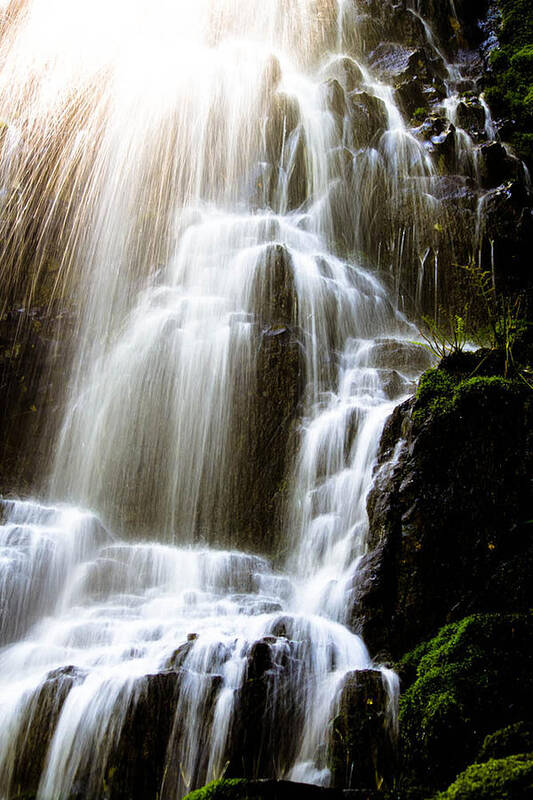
<point>231,194</point>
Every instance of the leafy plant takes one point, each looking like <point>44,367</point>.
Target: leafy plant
<point>501,313</point>
<point>445,335</point>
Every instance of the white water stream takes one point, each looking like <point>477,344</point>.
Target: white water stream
<point>171,144</point>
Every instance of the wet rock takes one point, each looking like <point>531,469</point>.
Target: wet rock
<point>136,765</point>
<point>283,627</point>
<point>266,440</point>
<point>507,231</point>
<point>444,147</point>
<point>262,741</point>
<point>283,118</point>
<point>390,60</point>
<point>334,97</point>
<point>259,660</point>
<point>360,750</point>
<point>408,357</point>
<point>395,384</point>
<point>411,96</point>
<point>498,166</point>
<point>251,753</point>
<point>447,512</point>
<point>40,718</point>
<point>200,691</point>
<point>285,152</point>
<point>275,297</point>
<point>178,657</point>
<point>368,116</point>
<point>33,355</point>
<point>433,125</point>
<point>272,74</point>
<point>471,117</point>
<point>346,71</point>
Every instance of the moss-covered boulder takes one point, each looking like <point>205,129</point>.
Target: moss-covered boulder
<point>239,789</point>
<point>472,679</point>
<point>450,512</point>
<point>498,779</point>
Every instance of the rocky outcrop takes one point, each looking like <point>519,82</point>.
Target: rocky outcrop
<point>136,765</point>
<point>361,748</point>
<point>40,718</point>
<point>450,509</point>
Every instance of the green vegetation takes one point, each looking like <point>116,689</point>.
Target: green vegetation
<point>497,323</point>
<point>509,87</point>
<point>499,779</point>
<point>442,392</point>
<point>232,789</point>
<point>517,738</point>
<point>469,681</point>
<point>420,114</point>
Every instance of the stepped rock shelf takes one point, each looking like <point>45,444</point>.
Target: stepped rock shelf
<point>235,520</point>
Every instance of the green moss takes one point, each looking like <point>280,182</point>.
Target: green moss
<point>420,114</point>
<point>233,789</point>
<point>509,88</point>
<point>434,394</point>
<point>485,390</point>
<point>508,741</point>
<point>471,679</point>
<point>498,779</point>
<point>441,392</point>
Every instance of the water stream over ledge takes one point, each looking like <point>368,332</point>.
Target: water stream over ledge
<point>217,193</point>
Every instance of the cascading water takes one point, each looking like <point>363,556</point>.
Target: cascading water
<point>197,166</point>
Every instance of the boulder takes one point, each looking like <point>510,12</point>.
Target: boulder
<point>449,509</point>
<point>360,747</point>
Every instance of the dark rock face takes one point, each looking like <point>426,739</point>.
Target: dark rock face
<point>268,441</point>
<point>137,763</point>
<point>274,403</point>
<point>40,719</point>
<point>369,117</point>
<point>448,512</point>
<point>261,742</point>
<point>509,225</point>
<point>361,755</point>
<point>33,355</point>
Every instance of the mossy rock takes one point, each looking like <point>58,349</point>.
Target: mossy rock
<point>442,392</point>
<point>234,789</point>
<point>240,789</point>
<point>472,679</point>
<point>509,86</point>
<point>498,779</point>
<point>516,738</point>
